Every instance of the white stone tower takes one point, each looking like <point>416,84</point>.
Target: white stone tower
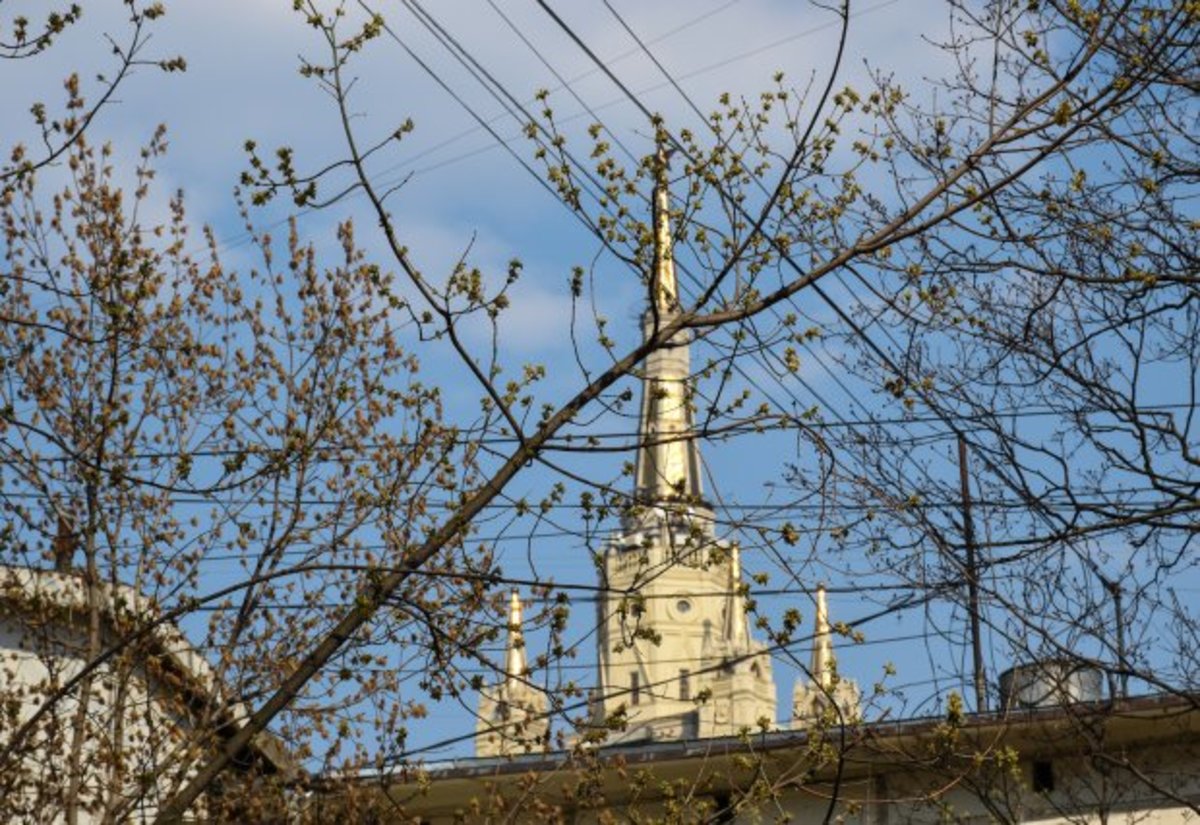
<point>512,713</point>
<point>676,659</point>
<point>825,697</point>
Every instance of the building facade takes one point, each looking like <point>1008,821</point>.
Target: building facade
<point>151,702</point>
<point>1135,762</point>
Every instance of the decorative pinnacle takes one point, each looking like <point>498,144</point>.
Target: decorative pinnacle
<point>666,294</point>
<point>823,662</point>
<point>735,608</point>
<point>514,664</point>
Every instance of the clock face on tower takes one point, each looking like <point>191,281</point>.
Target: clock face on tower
<point>680,608</point>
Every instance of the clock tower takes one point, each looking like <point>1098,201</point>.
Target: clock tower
<point>676,658</point>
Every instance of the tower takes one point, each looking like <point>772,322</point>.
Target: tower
<point>824,695</point>
<point>512,713</point>
<point>676,659</point>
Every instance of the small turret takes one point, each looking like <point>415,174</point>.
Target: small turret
<point>823,663</point>
<point>824,694</point>
<point>512,713</point>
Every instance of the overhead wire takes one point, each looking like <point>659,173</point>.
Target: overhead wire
<point>860,333</point>
<point>497,142</point>
<point>844,389</point>
<point>943,415</point>
<point>733,363</point>
<point>571,441</point>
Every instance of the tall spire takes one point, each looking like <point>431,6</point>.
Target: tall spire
<point>668,461</point>
<point>514,660</point>
<point>823,663</point>
<point>668,552</point>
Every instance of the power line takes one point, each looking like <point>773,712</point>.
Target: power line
<point>1068,502</point>
<point>786,257</point>
<point>498,142</point>
<point>571,442</point>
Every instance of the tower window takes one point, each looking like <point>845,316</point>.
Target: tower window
<point>635,688</point>
<point>685,684</point>
<point>1043,776</point>
<point>725,812</point>
<point>880,801</point>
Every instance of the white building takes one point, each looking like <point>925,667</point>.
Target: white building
<point>152,703</point>
<point>676,657</point>
<point>1136,762</point>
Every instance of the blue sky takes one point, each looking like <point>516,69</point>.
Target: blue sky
<point>468,196</point>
